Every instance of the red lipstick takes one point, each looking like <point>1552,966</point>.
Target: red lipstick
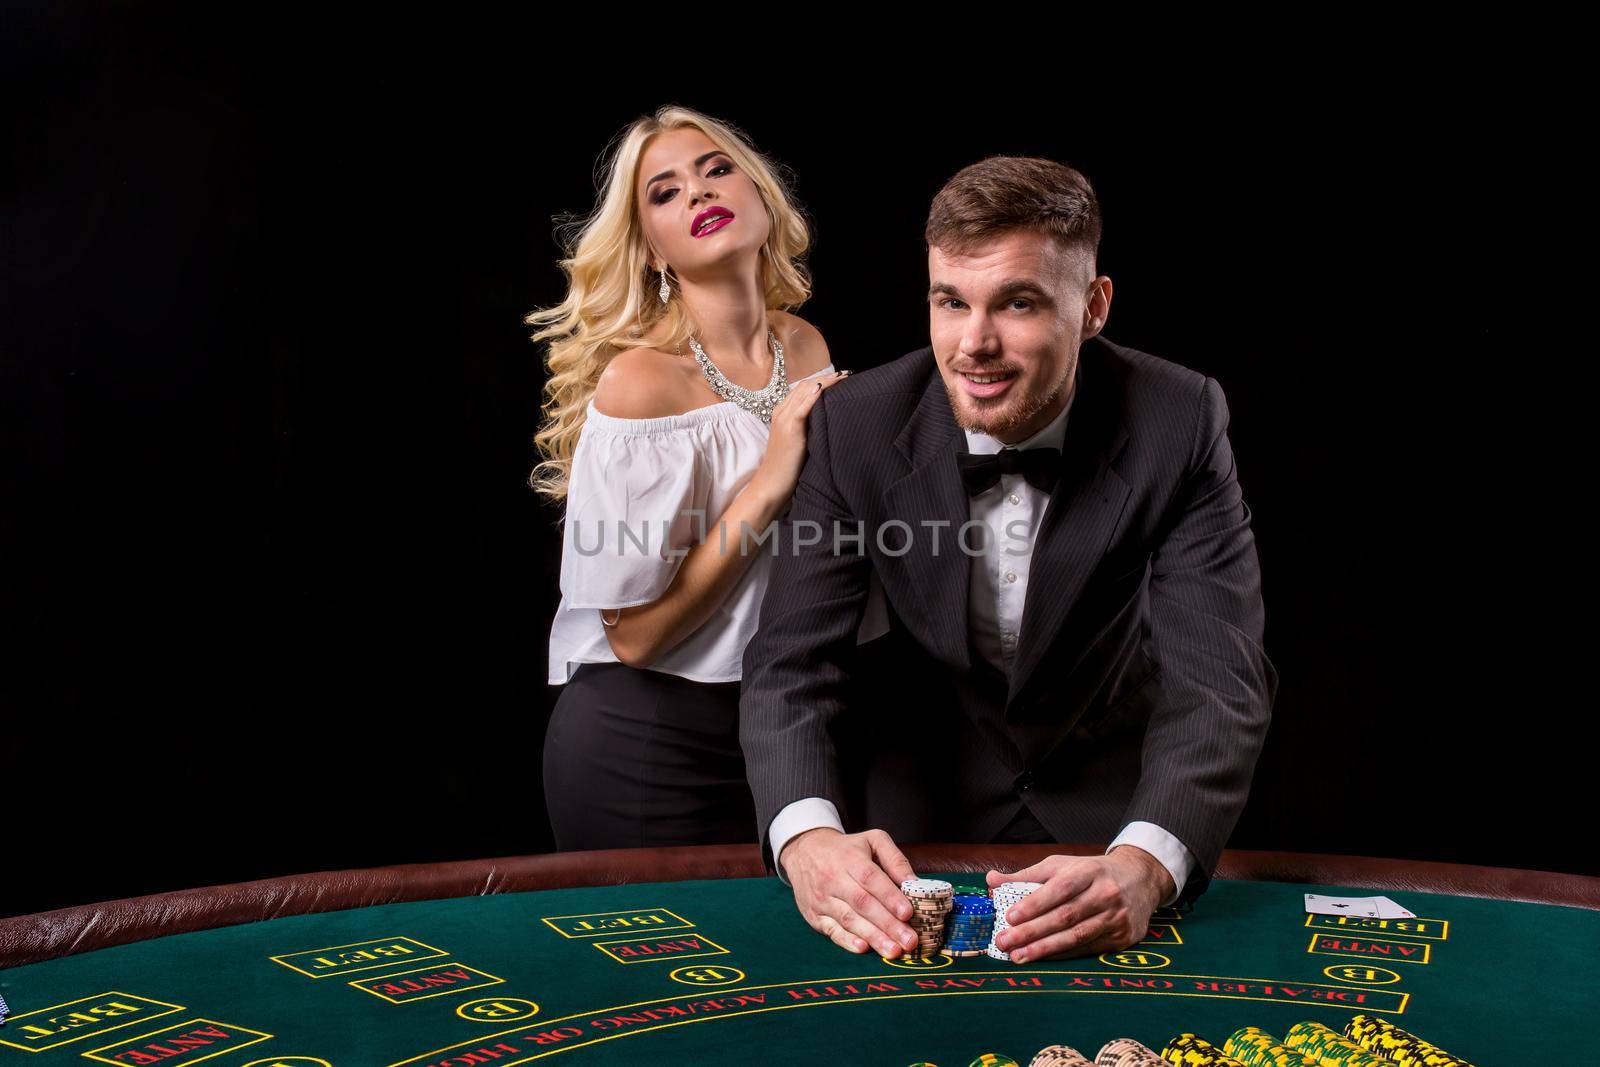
<point>709,214</point>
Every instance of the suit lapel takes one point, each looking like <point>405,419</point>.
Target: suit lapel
<point>932,493</point>
<point>1085,508</point>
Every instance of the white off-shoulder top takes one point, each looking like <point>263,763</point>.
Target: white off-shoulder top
<point>639,495</point>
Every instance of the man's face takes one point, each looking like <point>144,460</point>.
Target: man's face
<point>1016,308</point>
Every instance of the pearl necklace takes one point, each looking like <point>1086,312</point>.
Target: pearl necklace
<point>759,402</point>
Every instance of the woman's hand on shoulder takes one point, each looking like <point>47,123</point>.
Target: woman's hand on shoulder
<point>639,383</point>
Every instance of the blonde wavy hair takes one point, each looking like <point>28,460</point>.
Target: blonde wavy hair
<point>612,300</point>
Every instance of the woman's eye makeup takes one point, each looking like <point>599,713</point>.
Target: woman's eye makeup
<point>661,196</point>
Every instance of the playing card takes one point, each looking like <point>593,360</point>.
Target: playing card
<point>1388,909</point>
<point>1366,907</point>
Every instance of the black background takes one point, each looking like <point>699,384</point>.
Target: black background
<point>277,595</point>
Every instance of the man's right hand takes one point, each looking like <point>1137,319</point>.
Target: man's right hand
<point>847,886</point>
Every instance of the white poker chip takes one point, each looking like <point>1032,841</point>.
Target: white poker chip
<point>1007,894</point>
<point>925,885</point>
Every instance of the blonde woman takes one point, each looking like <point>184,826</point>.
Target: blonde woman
<point>675,409</point>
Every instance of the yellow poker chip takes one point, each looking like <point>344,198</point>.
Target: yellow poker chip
<point>1254,1047</point>
<point>994,1059</point>
<point>1383,1038</point>
<point>1191,1050</point>
<point>1324,1045</point>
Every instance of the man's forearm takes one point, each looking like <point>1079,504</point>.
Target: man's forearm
<point>1206,625</point>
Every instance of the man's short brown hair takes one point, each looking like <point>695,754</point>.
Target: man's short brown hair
<point>1002,193</point>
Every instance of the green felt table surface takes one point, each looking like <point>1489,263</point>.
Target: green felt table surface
<point>721,971</point>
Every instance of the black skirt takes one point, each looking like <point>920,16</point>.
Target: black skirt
<point>637,758</point>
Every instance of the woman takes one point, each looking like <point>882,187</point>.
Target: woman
<point>676,401</point>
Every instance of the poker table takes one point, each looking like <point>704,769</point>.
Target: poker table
<point>695,956</point>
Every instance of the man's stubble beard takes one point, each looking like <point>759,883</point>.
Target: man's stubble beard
<point>1002,423</point>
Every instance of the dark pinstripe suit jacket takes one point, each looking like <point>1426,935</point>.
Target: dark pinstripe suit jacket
<point>1139,689</point>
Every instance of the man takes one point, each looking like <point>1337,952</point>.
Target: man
<point>1061,536</point>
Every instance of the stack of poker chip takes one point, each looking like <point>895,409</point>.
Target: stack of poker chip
<point>1327,1047</point>
<point>1126,1052</point>
<point>1194,1051</point>
<point>4,1011</point>
<point>1254,1047</point>
<point>1005,895</point>
<point>1059,1056</point>
<point>932,900</point>
<point>970,925</point>
<point>1383,1038</point>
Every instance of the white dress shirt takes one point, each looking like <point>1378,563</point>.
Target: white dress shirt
<point>1011,511</point>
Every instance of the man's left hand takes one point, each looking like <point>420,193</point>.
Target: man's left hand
<point>1087,904</point>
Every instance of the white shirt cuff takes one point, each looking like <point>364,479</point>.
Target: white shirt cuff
<point>797,818</point>
<point>1172,853</point>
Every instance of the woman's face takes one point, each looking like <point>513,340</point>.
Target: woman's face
<point>685,183</point>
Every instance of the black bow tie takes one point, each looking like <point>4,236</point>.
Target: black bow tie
<point>1038,465</point>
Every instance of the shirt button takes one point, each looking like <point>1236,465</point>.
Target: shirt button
<point>1011,576</point>
<point>1014,498</point>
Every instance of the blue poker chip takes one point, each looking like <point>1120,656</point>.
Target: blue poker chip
<point>4,1011</point>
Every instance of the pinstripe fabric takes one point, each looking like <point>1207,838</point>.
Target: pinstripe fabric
<point>1140,688</point>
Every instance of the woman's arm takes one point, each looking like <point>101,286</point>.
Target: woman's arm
<point>642,383</point>
<point>641,635</point>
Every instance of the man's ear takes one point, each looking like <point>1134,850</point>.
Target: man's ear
<point>1097,308</point>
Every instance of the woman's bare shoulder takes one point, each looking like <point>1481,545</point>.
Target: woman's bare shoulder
<point>804,350</point>
<point>642,383</point>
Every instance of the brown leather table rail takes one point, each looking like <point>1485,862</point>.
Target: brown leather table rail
<point>31,938</point>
